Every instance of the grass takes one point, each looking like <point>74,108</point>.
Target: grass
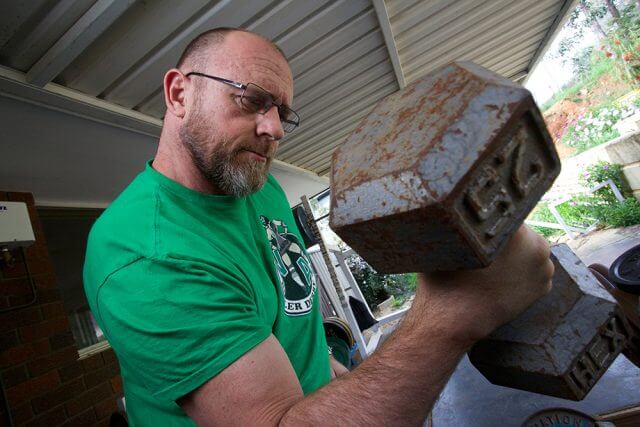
<point>600,207</point>
<point>569,91</point>
<point>577,213</point>
<point>397,302</point>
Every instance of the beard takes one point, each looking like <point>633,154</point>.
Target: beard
<point>222,167</point>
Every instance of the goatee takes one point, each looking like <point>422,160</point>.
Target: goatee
<point>223,169</point>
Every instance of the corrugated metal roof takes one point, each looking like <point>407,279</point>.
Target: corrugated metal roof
<point>346,55</point>
<point>502,35</point>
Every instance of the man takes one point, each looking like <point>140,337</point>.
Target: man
<point>184,272</point>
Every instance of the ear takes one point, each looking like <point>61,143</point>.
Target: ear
<point>174,92</point>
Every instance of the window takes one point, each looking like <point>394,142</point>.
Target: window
<point>66,232</point>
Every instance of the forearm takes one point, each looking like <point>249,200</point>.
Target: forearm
<point>400,382</point>
<point>452,310</point>
<point>397,385</point>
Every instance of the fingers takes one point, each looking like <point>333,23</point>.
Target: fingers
<point>541,251</point>
<point>529,240</point>
<point>519,276</point>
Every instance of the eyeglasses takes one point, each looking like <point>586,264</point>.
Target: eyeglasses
<point>257,100</point>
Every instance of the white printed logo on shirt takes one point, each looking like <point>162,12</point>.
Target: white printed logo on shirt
<point>293,267</point>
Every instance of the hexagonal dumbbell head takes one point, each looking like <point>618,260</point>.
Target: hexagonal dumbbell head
<point>439,175</point>
<point>563,343</point>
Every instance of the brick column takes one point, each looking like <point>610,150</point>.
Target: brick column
<point>44,382</point>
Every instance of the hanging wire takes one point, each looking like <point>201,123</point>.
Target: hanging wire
<point>33,286</point>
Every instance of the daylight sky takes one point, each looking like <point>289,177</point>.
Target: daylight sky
<point>551,74</point>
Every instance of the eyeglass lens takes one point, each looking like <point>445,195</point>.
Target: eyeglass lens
<point>257,100</point>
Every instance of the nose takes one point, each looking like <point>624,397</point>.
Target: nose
<point>269,124</point>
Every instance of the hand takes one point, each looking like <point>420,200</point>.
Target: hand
<point>475,302</point>
<point>337,369</point>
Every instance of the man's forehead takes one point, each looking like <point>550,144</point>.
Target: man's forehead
<point>248,57</point>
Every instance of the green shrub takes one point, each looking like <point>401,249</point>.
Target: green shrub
<point>412,281</point>
<point>398,302</point>
<point>619,214</point>
<point>546,232</point>
<point>371,284</point>
<point>578,212</point>
<point>594,128</point>
<point>602,206</point>
<point>378,287</point>
<point>600,172</point>
<point>399,285</point>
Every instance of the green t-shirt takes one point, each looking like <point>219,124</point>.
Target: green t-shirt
<point>183,284</point>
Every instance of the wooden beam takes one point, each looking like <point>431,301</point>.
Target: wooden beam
<point>86,30</point>
<point>390,41</point>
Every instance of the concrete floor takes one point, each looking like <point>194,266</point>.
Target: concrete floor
<point>604,246</point>
<point>469,399</point>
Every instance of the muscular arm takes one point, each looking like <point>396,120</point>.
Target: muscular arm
<point>262,389</point>
<point>397,385</point>
<point>401,381</point>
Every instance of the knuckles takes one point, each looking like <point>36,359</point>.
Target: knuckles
<point>549,270</point>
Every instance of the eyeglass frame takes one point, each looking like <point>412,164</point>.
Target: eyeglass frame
<point>244,87</point>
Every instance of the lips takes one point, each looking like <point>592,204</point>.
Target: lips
<point>263,149</point>
<point>259,155</point>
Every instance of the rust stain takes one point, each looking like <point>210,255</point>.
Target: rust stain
<point>429,111</point>
<point>389,134</point>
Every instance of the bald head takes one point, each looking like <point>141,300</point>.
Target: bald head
<point>197,53</point>
<point>212,141</point>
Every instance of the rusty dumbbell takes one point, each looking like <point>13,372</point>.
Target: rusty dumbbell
<point>439,176</point>
<point>564,342</point>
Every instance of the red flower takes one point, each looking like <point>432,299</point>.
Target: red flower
<point>609,54</point>
<point>617,42</point>
<point>627,56</point>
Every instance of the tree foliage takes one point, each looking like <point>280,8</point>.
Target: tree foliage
<point>618,29</point>
<point>378,287</point>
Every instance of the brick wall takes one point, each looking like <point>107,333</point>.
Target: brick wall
<point>44,382</point>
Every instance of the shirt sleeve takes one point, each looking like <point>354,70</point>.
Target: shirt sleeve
<point>178,323</point>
